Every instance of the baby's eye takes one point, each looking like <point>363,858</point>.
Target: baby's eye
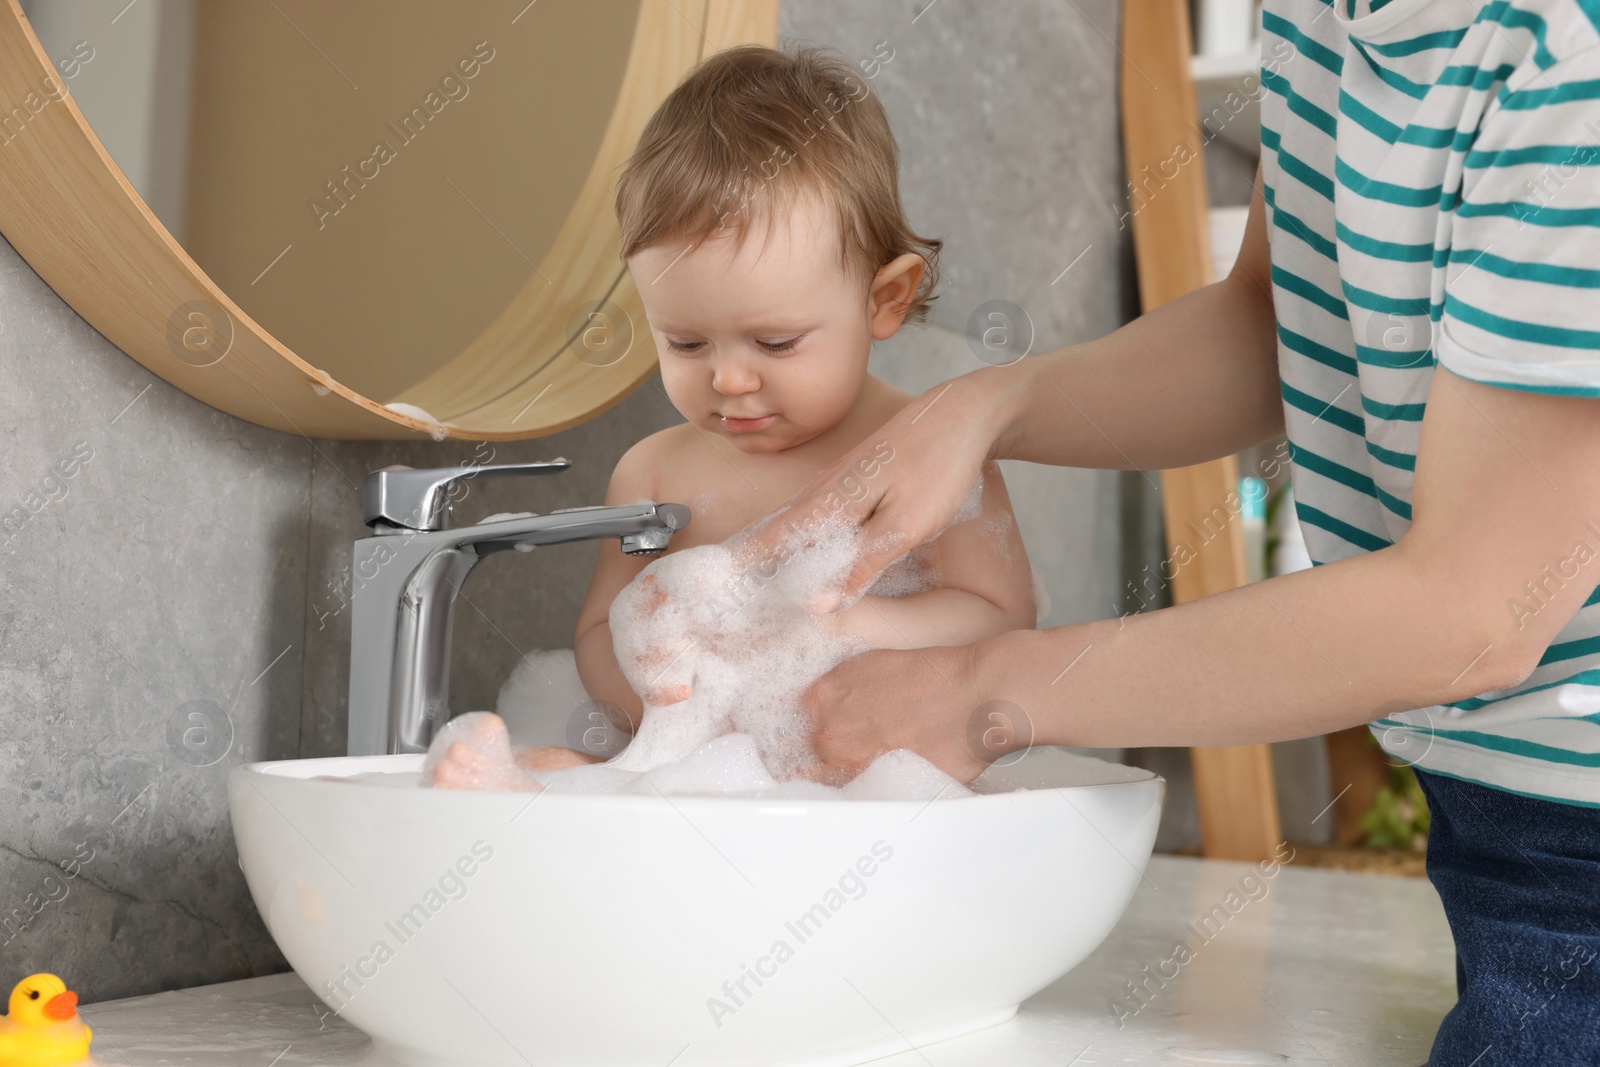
<point>779,346</point>
<point>684,346</point>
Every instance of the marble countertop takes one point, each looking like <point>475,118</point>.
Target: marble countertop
<point>1211,964</point>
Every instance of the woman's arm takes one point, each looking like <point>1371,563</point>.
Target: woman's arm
<point>1190,381</point>
<point>1506,483</point>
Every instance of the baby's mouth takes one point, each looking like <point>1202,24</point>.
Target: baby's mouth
<point>746,425</point>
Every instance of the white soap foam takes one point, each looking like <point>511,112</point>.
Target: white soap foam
<point>721,642</point>
<point>734,633</point>
<point>436,429</point>
<point>542,682</point>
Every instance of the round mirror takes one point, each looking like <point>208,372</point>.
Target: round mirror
<point>390,208</point>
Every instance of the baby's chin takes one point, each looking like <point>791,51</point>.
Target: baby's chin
<point>776,437</point>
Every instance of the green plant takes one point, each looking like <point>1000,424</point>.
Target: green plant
<point>1399,815</point>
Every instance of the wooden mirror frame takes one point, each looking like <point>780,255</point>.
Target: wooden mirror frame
<point>69,211</point>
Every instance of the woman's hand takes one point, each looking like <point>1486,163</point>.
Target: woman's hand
<point>906,482</point>
<point>923,700</point>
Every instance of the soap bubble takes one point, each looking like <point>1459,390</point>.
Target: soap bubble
<point>902,775</point>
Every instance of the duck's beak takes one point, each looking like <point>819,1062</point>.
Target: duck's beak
<point>62,1006</point>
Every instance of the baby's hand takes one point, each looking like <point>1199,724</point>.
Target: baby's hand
<point>656,662</point>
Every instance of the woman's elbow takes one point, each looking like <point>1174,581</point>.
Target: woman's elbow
<point>1497,659</point>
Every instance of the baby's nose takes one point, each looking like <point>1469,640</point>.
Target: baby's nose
<point>732,378</point>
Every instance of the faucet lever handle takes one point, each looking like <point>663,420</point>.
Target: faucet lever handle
<point>408,498</point>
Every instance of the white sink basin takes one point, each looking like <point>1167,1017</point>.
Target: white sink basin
<point>502,929</point>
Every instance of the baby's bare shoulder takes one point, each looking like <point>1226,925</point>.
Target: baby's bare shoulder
<point>653,463</point>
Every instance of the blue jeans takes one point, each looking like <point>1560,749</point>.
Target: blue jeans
<point>1520,882</point>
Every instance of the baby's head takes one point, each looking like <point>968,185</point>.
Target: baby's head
<point>761,221</point>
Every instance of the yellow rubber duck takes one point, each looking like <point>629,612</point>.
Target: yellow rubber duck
<point>43,1028</point>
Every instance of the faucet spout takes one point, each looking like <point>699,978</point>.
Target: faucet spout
<point>403,606</point>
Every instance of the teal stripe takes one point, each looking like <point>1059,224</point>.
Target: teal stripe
<point>1292,165</point>
<point>1395,359</point>
<point>1516,746</point>
<point>1476,77</point>
<point>1293,224</point>
<point>1293,283</point>
<point>1415,90</point>
<point>1394,503</point>
<point>1428,136</point>
<point>1548,273</point>
<point>1571,155</point>
<point>1298,227</point>
<point>1304,345</point>
<point>1583,646</point>
<point>1313,50</point>
<point>1391,250</point>
<point>1594,597</point>
<point>1323,521</point>
<point>1528,213</point>
<point>1310,461</point>
<point>1304,173</point>
<point>1299,105</point>
<point>1591,11</point>
<point>1402,460</point>
<point>1371,121</point>
<point>1388,192</point>
<point>1391,305</point>
<point>1517,19</point>
<point>1345,420</point>
<point>1462,74</point>
<point>1566,93</point>
<point>1587,677</point>
<point>1392,412</point>
<point>1545,390</point>
<point>1517,330</point>
<point>1423,43</point>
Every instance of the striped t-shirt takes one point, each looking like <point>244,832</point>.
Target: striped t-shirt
<point>1432,178</point>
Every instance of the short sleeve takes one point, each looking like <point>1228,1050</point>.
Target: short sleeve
<point>1522,285</point>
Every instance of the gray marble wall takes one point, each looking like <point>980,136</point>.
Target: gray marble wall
<point>170,607</point>
<point>170,578</point>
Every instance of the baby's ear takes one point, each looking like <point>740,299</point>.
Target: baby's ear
<point>893,289</point>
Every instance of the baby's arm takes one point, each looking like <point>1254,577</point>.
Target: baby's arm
<point>632,480</point>
<point>985,586</point>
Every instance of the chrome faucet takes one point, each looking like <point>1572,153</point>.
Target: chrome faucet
<point>408,574</point>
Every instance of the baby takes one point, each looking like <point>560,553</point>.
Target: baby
<point>761,223</point>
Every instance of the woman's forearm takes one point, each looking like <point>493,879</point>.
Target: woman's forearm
<point>1193,380</point>
<point>1293,656</point>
